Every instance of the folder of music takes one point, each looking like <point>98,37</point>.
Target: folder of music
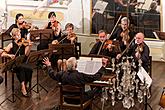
<point>89,65</point>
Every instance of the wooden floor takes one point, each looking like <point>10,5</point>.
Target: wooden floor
<point>46,101</point>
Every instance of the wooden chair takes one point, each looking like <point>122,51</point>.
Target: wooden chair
<point>71,90</point>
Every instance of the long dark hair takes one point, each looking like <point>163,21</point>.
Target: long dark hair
<point>17,16</point>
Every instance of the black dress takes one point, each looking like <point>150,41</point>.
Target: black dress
<point>44,43</point>
<point>23,70</point>
<point>24,31</point>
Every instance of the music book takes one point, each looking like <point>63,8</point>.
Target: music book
<point>89,65</point>
<point>100,6</point>
<point>143,75</point>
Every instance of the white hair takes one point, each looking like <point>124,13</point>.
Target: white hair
<point>71,63</point>
<point>125,19</point>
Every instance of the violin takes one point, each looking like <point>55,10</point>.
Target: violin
<point>125,36</point>
<point>24,42</point>
<point>107,42</point>
<point>140,48</point>
<point>71,36</point>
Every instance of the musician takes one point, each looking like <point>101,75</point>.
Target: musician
<point>123,34</point>
<point>101,46</point>
<point>19,23</point>
<point>53,24</point>
<point>68,35</point>
<point>74,77</point>
<point>139,50</point>
<point>17,48</point>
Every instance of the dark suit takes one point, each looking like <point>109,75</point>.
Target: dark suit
<point>103,51</point>
<point>76,78</point>
<point>144,55</point>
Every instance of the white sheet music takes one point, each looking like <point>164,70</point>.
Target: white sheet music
<point>89,65</point>
<point>144,6</point>
<point>100,6</point>
<point>142,74</point>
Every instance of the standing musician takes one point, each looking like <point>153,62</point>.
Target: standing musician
<point>19,23</point>
<point>103,46</point>
<point>139,50</point>
<point>123,34</point>
<point>17,48</point>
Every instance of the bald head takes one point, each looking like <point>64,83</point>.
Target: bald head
<point>139,38</point>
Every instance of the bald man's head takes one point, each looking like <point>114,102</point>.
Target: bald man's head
<point>139,38</point>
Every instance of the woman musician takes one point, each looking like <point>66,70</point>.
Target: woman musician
<point>19,23</point>
<point>123,34</point>
<point>16,48</point>
<point>69,37</point>
<point>55,26</point>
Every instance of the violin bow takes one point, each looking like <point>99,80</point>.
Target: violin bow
<point>109,35</point>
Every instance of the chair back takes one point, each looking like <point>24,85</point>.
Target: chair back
<point>73,92</point>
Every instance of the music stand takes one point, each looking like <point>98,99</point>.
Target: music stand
<point>44,36</point>
<point>9,66</point>
<point>64,50</point>
<point>36,58</point>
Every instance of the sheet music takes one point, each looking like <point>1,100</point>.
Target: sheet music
<point>145,6</point>
<point>142,74</point>
<point>89,65</point>
<point>100,6</point>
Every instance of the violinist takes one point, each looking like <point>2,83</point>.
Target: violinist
<point>14,49</point>
<point>123,34</point>
<point>102,46</point>
<point>19,23</point>
<point>68,36</point>
<point>55,26</point>
<point>139,50</point>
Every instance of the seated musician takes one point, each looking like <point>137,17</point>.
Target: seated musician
<point>74,77</point>
<point>55,26</point>
<point>68,37</point>
<point>123,34</point>
<point>17,48</point>
<point>19,23</point>
<point>101,48</point>
<point>140,51</point>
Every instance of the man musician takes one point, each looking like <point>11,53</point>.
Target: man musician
<point>101,48</point>
<point>139,50</point>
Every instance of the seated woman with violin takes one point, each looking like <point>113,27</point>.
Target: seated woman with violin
<point>19,23</point>
<point>123,34</point>
<point>103,46</point>
<point>16,48</point>
<point>55,26</point>
<point>68,37</point>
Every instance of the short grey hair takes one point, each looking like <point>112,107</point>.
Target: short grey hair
<point>71,63</point>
